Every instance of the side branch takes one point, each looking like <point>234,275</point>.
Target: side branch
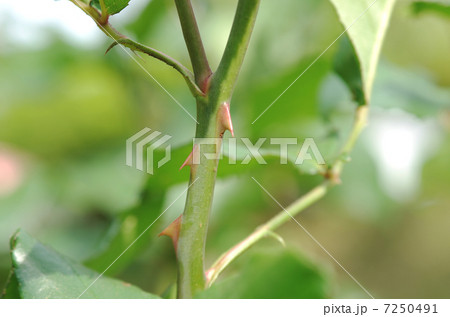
<point>296,207</point>
<point>264,230</point>
<point>194,42</point>
<point>186,73</point>
<point>102,22</point>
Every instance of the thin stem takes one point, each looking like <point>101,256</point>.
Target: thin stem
<point>265,229</point>
<point>361,117</point>
<point>105,16</point>
<point>230,64</point>
<point>186,73</point>
<point>195,219</point>
<point>122,40</point>
<point>194,43</point>
<point>194,223</point>
<point>296,207</point>
<point>360,123</point>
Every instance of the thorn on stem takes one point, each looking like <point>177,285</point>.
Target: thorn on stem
<point>277,237</point>
<point>224,118</point>
<point>111,46</point>
<point>190,159</point>
<point>123,42</point>
<point>173,231</point>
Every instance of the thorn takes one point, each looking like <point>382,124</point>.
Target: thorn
<point>190,159</point>
<point>277,237</point>
<point>173,231</point>
<point>122,42</point>
<point>111,46</point>
<point>225,122</point>
<point>138,56</point>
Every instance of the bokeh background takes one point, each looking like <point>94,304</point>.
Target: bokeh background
<point>66,110</point>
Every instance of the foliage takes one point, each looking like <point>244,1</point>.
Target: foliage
<point>366,23</point>
<point>112,6</point>
<point>431,6</point>
<point>40,272</point>
<point>319,105</point>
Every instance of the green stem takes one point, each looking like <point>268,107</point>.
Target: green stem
<point>104,16</point>
<point>194,224</point>
<point>194,43</point>
<point>296,207</point>
<point>361,116</point>
<point>230,64</point>
<point>118,38</point>
<point>360,123</point>
<point>186,73</point>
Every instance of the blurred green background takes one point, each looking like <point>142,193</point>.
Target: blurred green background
<point>66,111</point>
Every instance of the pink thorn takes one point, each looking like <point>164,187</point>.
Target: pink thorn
<point>226,118</point>
<point>189,160</point>
<point>173,231</point>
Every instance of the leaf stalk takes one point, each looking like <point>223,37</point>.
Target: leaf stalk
<point>297,206</point>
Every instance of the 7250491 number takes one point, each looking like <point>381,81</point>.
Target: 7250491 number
<point>410,308</point>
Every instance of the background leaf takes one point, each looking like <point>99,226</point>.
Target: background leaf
<point>11,290</point>
<point>410,90</point>
<point>347,66</point>
<point>367,21</point>
<point>146,22</point>
<point>112,6</point>
<point>432,7</point>
<point>43,273</point>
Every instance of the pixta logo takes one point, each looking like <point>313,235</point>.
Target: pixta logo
<point>141,147</point>
<point>149,146</point>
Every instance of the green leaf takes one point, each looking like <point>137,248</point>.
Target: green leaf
<point>413,91</point>
<point>347,66</point>
<point>43,273</point>
<point>112,6</point>
<point>282,274</point>
<point>133,221</point>
<point>129,225</point>
<point>147,21</point>
<point>440,7</point>
<point>11,290</point>
<point>366,21</point>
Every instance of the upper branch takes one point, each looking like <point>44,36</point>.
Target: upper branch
<point>194,43</point>
<point>230,65</point>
